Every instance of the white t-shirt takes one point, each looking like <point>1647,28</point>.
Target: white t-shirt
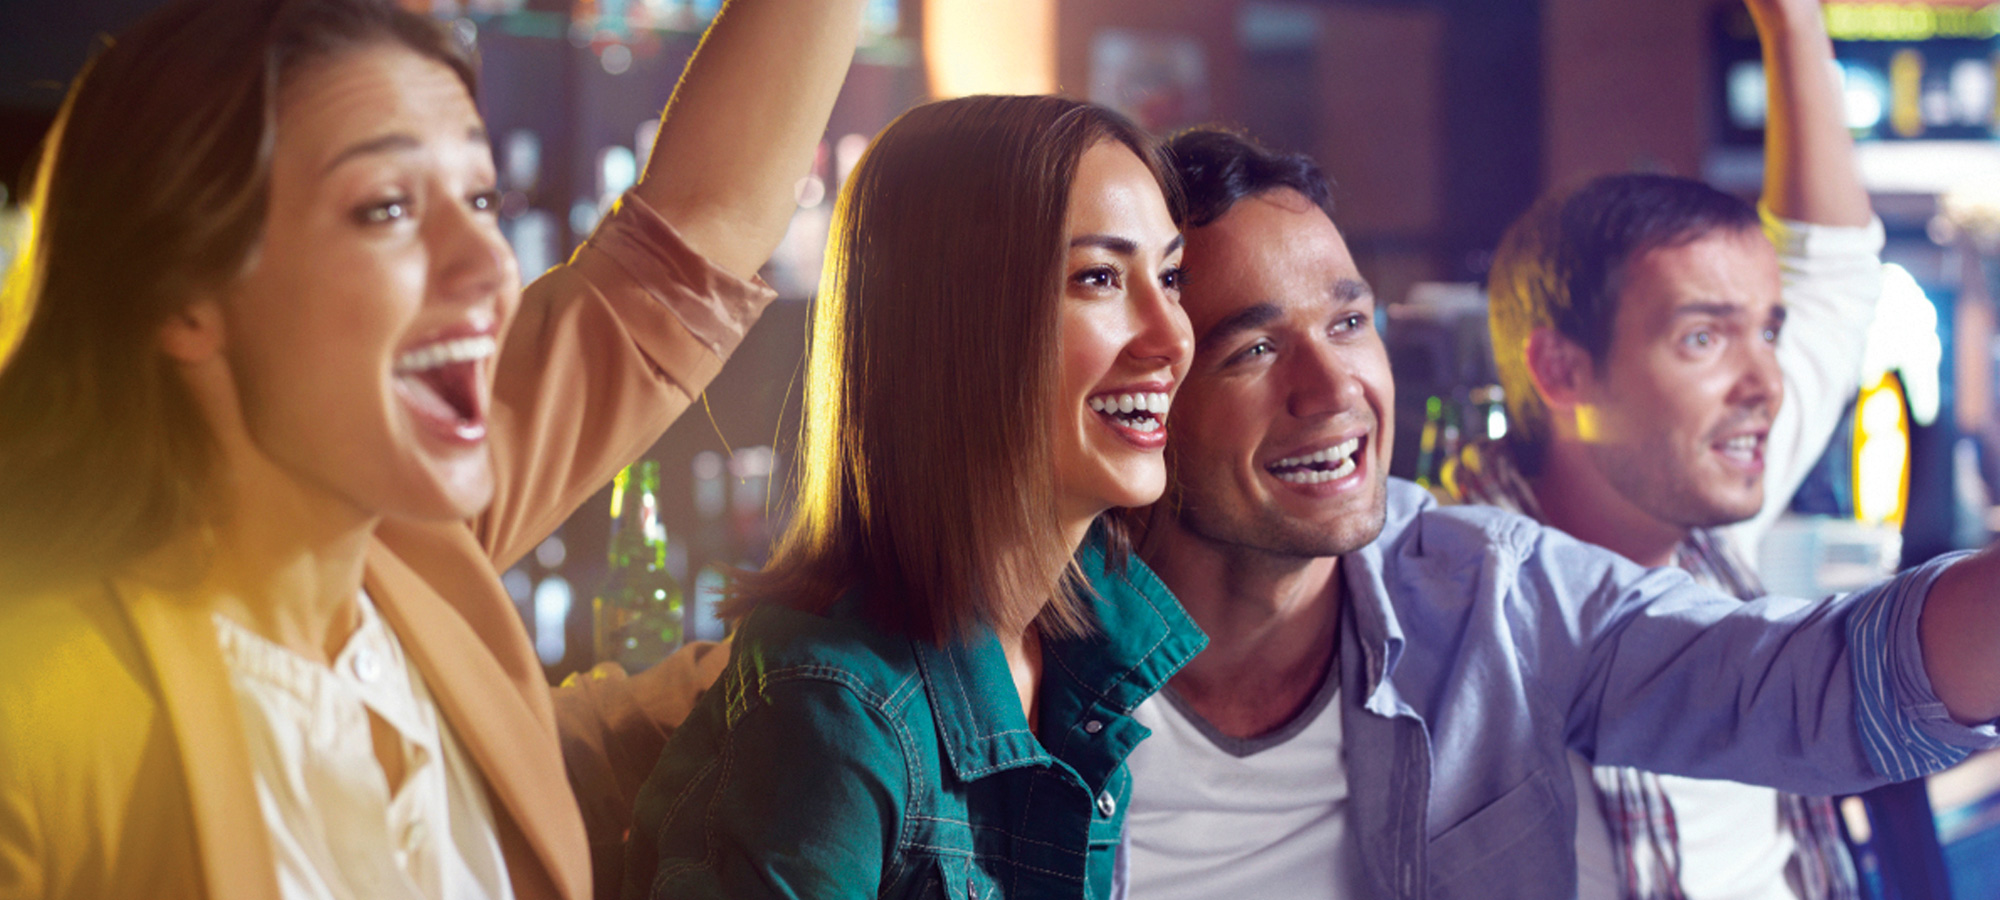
<point>1213,816</point>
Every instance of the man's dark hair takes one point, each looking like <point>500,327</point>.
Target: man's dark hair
<point>1219,168</point>
<point>1558,267</point>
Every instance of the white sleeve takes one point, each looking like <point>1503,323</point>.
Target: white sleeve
<point>1832,281</point>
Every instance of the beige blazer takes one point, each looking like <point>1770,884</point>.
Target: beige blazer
<point>123,769</point>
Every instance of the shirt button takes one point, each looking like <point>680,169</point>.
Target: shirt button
<point>1106,804</point>
<point>1093,726</point>
<point>367,666</point>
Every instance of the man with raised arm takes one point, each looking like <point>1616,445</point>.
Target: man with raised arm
<point>1673,369</point>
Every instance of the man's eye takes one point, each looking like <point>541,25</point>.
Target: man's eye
<point>1349,322</point>
<point>1771,335</point>
<point>383,212</point>
<point>1699,339</point>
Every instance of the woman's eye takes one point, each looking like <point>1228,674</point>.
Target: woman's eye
<point>1770,335</point>
<point>1099,277</point>
<point>1174,278</point>
<point>383,212</point>
<point>486,201</point>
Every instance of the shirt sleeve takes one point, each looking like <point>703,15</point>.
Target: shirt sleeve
<point>1832,281</point>
<point>606,351</point>
<point>794,788</point>
<point>1904,726</point>
<point>1814,697</point>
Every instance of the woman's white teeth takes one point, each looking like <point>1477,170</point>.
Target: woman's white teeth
<point>457,350</point>
<point>1119,404</point>
<point>1740,445</point>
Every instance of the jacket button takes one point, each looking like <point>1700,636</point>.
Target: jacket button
<point>1106,804</point>
<point>1093,726</point>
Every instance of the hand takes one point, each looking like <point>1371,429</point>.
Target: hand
<point>1779,16</point>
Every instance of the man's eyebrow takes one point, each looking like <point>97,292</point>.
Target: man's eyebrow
<point>1253,316</point>
<point>392,143</point>
<point>1712,309</point>
<point>1348,290</point>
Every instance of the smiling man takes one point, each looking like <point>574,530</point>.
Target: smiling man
<point>1674,363</point>
<point>1392,688</point>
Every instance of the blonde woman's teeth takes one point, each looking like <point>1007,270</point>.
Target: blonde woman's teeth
<point>457,350</point>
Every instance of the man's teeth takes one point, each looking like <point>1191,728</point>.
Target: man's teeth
<point>1115,404</point>
<point>1340,451</point>
<point>1300,469</point>
<point>430,356</point>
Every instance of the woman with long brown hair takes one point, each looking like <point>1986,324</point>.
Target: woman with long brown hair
<point>275,411</point>
<point>929,690</point>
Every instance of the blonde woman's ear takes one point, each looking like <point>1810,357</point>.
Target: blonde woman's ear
<point>194,334</point>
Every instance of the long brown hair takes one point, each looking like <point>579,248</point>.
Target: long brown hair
<point>152,186</point>
<point>926,471</point>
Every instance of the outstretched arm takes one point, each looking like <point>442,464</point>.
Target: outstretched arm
<point>1809,169</point>
<point>1960,630</point>
<point>744,123</point>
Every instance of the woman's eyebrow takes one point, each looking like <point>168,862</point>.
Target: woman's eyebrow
<point>394,142</point>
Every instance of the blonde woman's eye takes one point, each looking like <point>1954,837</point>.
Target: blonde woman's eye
<point>486,201</point>
<point>383,212</point>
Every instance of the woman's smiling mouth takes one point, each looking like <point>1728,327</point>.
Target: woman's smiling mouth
<point>442,383</point>
<point>1138,416</point>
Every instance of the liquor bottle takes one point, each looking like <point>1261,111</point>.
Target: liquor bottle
<point>637,616</point>
<point>1427,442</point>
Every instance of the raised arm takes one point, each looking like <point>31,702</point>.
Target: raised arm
<point>1809,169</point>
<point>611,347</point>
<point>1817,215</point>
<point>744,122</point>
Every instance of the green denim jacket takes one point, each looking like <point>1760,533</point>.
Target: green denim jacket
<point>834,760</point>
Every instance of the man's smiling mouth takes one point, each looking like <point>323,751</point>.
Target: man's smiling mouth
<point>1330,464</point>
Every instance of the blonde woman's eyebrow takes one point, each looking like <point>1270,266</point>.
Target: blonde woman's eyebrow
<point>396,142</point>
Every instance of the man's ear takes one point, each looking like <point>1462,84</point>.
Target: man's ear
<point>193,334</point>
<point>1559,367</point>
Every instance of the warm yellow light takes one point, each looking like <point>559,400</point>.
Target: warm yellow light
<point>990,47</point>
<point>1881,454</point>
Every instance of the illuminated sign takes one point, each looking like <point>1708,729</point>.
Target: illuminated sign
<point>1910,21</point>
<point>1910,71</point>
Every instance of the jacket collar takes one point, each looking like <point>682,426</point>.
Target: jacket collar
<point>1143,638</point>
<point>178,632</point>
<point>513,749</point>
